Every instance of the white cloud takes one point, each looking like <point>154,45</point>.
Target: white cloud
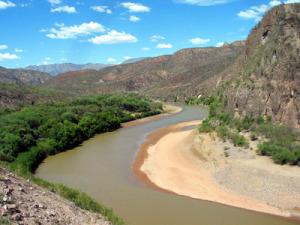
<point>54,2</point>
<point>292,1</point>
<point>69,32</point>
<point>135,7</point>
<point>220,44</point>
<point>134,19</point>
<point>18,50</point>
<point>102,9</point>
<point>3,47</point>
<point>162,45</point>
<point>256,12</point>
<point>203,2</point>
<point>127,57</point>
<point>111,60</point>
<point>156,38</point>
<point>6,4</point>
<point>66,9</point>
<point>114,37</point>
<point>8,56</point>
<point>145,49</point>
<point>199,41</point>
<point>275,2</point>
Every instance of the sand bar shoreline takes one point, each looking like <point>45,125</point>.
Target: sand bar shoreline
<point>147,171</point>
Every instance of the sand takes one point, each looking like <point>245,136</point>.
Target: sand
<point>185,163</point>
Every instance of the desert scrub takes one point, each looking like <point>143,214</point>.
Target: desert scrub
<point>281,143</point>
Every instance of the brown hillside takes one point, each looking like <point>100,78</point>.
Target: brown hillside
<point>166,77</point>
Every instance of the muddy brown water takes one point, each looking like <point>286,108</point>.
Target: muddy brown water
<point>102,167</point>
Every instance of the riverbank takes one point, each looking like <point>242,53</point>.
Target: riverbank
<point>23,202</point>
<point>183,162</point>
<point>167,110</point>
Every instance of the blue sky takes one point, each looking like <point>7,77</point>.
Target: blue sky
<point>105,31</point>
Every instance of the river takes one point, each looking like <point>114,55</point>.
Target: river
<point>102,167</point>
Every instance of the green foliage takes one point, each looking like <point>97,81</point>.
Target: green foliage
<point>4,221</point>
<point>52,128</point>
<point>28,136</point>
<point>206,127</point>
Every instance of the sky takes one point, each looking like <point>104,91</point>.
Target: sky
<point>37,32</point>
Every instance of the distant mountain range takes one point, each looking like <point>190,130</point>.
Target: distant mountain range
<point>55,69</point>
<point>134,60</point>
<point>22,76</point>
<point>60,68</point>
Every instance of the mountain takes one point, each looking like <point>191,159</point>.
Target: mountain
<point>169,77</point>
<point>55,69</point>
<point>21,76</point>
<point>134,60</point>
<point>265,79</point>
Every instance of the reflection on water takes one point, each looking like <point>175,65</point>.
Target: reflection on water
<point>101,167</point>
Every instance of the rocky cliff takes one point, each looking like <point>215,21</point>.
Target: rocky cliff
<point>265,79</point>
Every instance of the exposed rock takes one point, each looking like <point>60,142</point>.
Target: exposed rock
<point>26,203</point>
<point>265,79</point>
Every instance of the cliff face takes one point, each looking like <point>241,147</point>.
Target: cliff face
<point>265,80</point>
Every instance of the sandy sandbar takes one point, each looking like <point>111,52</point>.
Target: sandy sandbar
<point>167,161</point>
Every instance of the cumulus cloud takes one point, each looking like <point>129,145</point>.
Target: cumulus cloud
<point>199,41</point>
<point>6,4</point>
<point>164,46</point>
<point>156,38</point>
<point>70,32</point>
<point>134,19</point>
<point>64,9</point>
<point>3,47</point>
<point>54,2</point>
<point>102,9</point>
<point>203,2</point>
<point>8,56</point>
<point>135,7</point>
<point>113,37</point>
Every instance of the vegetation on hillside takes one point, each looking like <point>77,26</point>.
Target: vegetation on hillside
<point>28,136</point>
<point>281,142</point>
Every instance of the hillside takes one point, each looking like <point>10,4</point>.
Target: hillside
<point>169,77</point>
<point>55,69</point>
<point>13,96</point>
<point>21,76</point>
<point>265,79</point>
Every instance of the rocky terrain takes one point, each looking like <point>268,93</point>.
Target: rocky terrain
<point>265,79</point>
<point>22,202</point>
<point>21,76</point>
<point>55,69</point>
<point>170,77</point>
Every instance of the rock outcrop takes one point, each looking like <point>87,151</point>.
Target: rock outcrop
<point>265,79</point>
